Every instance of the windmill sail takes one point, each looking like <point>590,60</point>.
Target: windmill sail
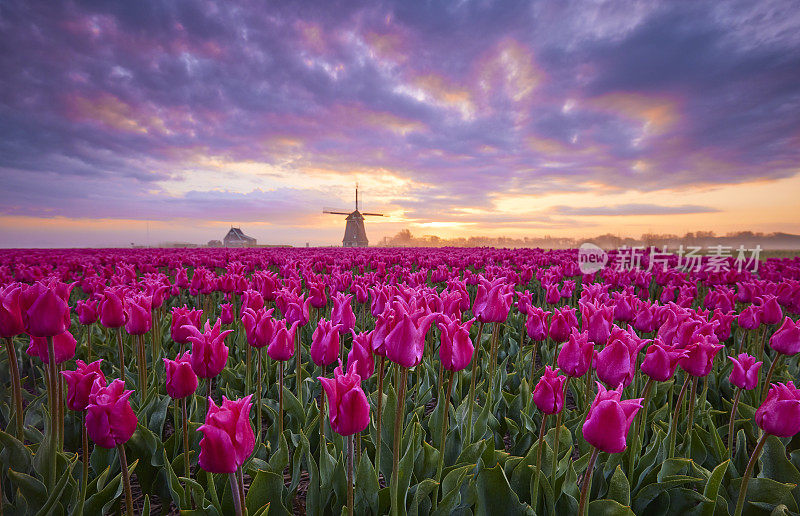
<point>355,235</point>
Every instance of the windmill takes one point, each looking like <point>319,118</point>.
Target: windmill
<point>354,233</point>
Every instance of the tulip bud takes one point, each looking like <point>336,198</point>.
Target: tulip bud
<point>325,343</point>
<point>361,353</point>
<point>456,348</point>
<point>779,415</point>
<point>609,419</point>
<point>80,382</point>
<point>138,314</point>
<point>660,361</point>
<point>745,371</point>
<point>209,352</point>
<point>112,308</point>
<point>182,318</point>
<point>181,378</point>
<point>228,437</point>
<point>109,417</point>
<point>64,345</point>
<point>282,345</point>
<point>347,404</point>
<point>549,392</point>
<point>787,339</point>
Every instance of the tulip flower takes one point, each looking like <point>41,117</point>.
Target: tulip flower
<point>605,428</point>
<point>750,318</point>
<point>281,348</point>
<point>575,357</point>
<point>456,349</point>
<point>770,310</point>
<point>342,314</point>
<point>80,383</point>
<point>700,355</point>
<point>660,361</point>
<point>561,324</point>
<point>597,320</point>
<point>786,340</point>
<point>227,442</point>
<point>325,342</point>
<point>493,300</point>
<point>745,377</point>
<point>228,437</point>
<point>182,319</point>
<point>87,311</point>
<point>79,389</point>
<point>138,314</point>
<point>181,378</point>
<point>361,352</point>
<point>11,325</point>
<point>226,313</point>
<point>112,308</point>
<point>209,352</point>
<point>110,422</point>
<point>252,299</point>
<point>347,403</point>
<point>549,392</point>
<point>779,415</point>
<point>405,343</point>
<point>64,345</point>
<point>256,326</point>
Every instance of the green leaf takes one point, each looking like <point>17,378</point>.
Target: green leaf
<point>366,489</point>
<point>100,502</point>
<point>267,487</point>
<point>495,495</point>
<point>14,453</point>
<point>649,492</point>
<point>767,491</point>
<point>280,459</point>
<point>55,493</point>
<point>619,489</point>
<point>421,498</point>
<point>711,491</point>
<point>32,489</point>
<point>609,508</point>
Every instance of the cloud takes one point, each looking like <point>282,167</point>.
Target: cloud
<point>631,209</point>
<point>106,108</point>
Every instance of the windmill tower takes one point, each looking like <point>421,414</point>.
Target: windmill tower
<point>354,233</point>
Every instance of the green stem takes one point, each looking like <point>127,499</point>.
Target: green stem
<point>16,387</point>
<point>280,399</point>
<point>398,429</point>
<point>747,473</point>
<point>51,393</point>
<point>299,374</point>
<point>559,419</point>
<point>535,495</point>
<point>258,382</point>
<point>692,398</point>
<point>471,404</point>
<point>674,426</point>
<point>378,420</point>
<point>237,499</point>
<point>586,484</point>
<point>126,479</point>
<point>734,410</point>
<point>768,378</point>
<point>121,354</point>
<point>350,480</point>
<point>640,421</point>
<point>442,440</point>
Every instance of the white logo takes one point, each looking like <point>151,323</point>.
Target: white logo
<point>591,258</point>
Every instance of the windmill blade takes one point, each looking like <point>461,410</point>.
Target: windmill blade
<point>335,211</point>
<point>374,214</point>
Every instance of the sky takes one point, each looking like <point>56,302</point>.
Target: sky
<point>156,120</point>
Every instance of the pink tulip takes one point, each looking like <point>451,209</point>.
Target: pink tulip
<point>181,378</point>
<point>80,382</point>
<point>771,312</point>
<point>361,353</point>
<point>609,419</point>
<point>281,347</point>
<point>209,352</point>
<point>252,299</point>
<point>228,437</point>
<point>44,309</point>
<point>87,311</point>
<point>325,343</point>
<point>549,392</point>
<point>11,323</point>
<point>493,300</point>
<point>787,339</point>
<point>182,318</point>
<point>138,314</point>
<point>660,361</point>
<point>575,357</point>
<point>342,313</point>
<point>745,371</point>
<point>536,323</point>
<point>700,355</point>
<point>347,404</point>
<point>64,345</point>
<point>597,320</point>
<point>226,313</point>
<point>405,343</point>
<point>112,308</point>
<point>750,318</point>
<point>779,415</point>
<point>456,349</point>
<point>109,417</point>
<point>258,326</point>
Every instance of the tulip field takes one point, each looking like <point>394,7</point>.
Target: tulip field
<point>396,381</point>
